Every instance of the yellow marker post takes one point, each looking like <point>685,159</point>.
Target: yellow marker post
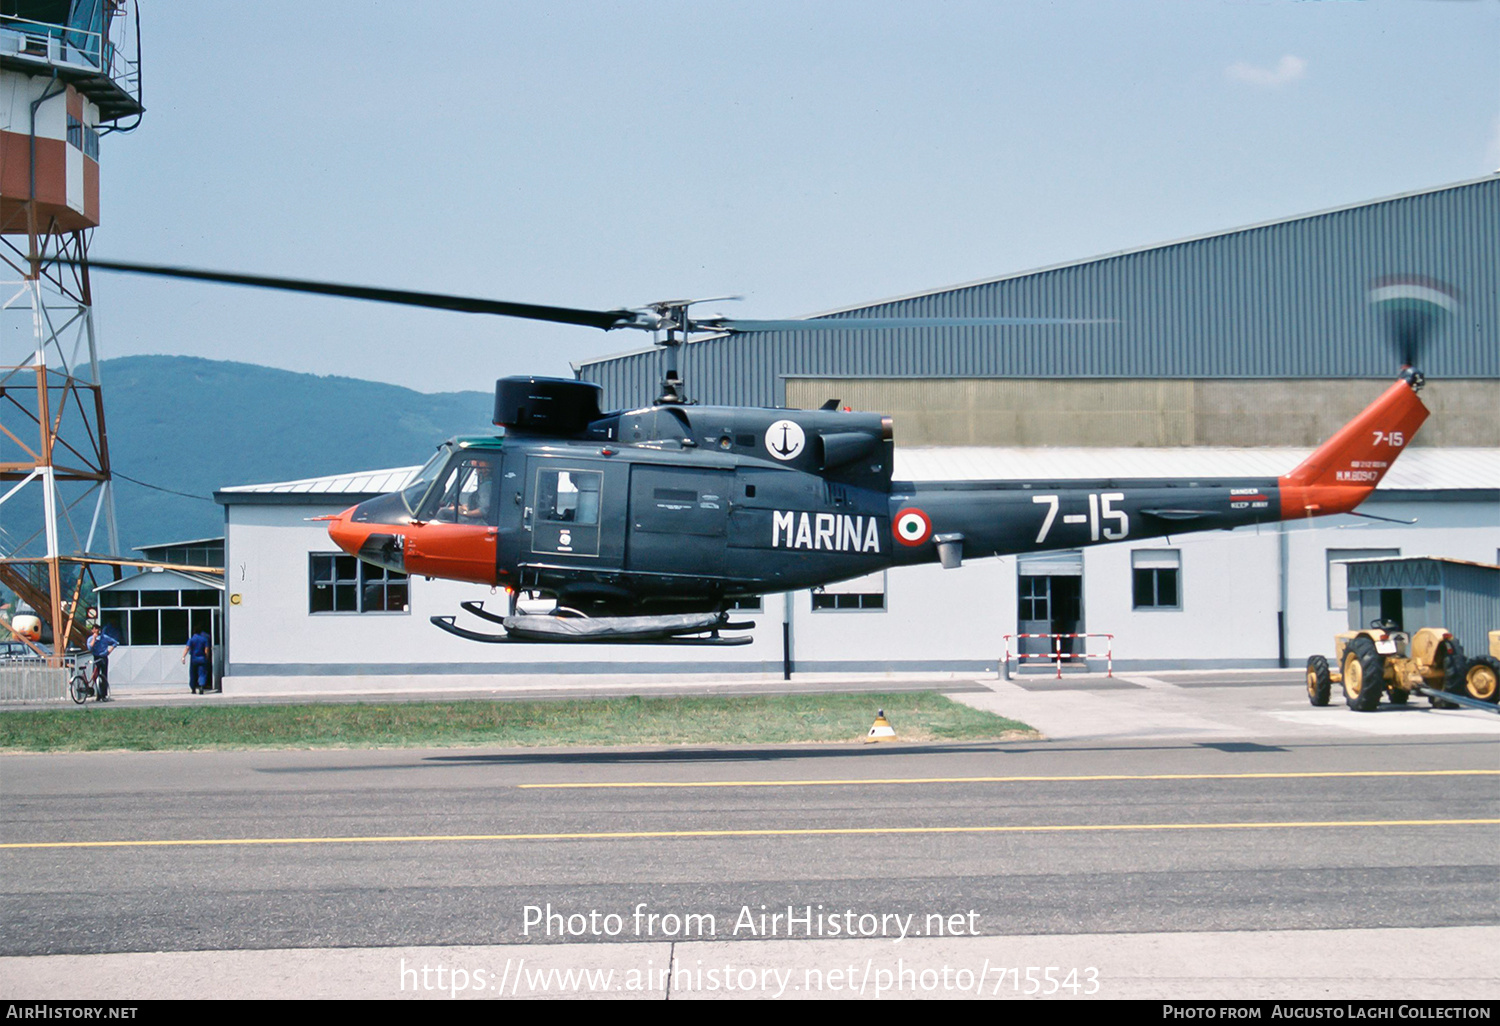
<point>881,730</point>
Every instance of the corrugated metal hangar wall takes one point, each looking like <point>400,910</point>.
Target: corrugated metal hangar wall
<point>1205,331</point>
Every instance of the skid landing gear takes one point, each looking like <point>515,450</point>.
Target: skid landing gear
<point>542,629</point>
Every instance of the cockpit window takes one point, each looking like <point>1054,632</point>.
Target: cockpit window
<point>466,491</point>
<point>412,494</point>
<point>461,490</point>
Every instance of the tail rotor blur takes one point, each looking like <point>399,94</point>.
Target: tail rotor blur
<point>1413,308</point>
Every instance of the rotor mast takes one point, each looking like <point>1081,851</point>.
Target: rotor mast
<point>671,316</point>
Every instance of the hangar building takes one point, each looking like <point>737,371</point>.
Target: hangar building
<point>1232,353</point>
<point>1205,336</point>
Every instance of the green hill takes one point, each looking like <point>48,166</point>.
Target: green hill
<point>194,425</point>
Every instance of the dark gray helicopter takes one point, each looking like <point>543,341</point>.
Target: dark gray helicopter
<point>647,525</point>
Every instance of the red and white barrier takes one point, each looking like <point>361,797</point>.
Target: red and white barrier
<point>1056,655</point>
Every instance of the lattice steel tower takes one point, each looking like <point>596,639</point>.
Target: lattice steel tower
<point>69,74</point>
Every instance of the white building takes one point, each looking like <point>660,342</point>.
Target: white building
<point>303,616</point>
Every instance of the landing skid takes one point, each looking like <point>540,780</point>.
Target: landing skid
<point>684,629</point>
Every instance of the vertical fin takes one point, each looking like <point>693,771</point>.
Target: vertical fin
<point>1343,471</point>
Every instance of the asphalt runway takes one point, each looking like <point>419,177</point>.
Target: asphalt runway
<point>1225,861</point>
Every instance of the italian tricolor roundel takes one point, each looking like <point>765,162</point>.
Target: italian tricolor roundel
<point>911,527</point>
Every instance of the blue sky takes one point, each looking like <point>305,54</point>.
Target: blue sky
<point>805,155</point>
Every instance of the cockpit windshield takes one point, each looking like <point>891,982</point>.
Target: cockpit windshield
<point>465,490</point>
<point>412,494</point>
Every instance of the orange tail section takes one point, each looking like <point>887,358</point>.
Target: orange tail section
<point>1344,470</point>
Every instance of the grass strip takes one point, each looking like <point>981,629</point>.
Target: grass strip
<point>749,719</point>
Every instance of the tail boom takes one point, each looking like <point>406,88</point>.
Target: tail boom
<point>1343,471</point>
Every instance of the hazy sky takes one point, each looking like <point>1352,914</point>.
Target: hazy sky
<point>807,155</point>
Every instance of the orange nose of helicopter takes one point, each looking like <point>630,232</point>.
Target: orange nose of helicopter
<point>373,542</point>
<point>346,534</point>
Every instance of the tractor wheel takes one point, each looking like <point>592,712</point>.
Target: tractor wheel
<point>1452,654</point>
<point>1364,674</point>
<point>1482,678</point>
<point>1398,696</point>
<point>1318,684</point>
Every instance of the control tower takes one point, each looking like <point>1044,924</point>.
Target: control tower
<point>70,75</point>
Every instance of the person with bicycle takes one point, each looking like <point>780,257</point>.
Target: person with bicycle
<point>100,645</point>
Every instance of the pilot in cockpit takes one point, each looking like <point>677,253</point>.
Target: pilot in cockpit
<point>476,498</point>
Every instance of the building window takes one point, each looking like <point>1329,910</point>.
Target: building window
<point>1338,572</point>
<point>80,136</point>
<point>382,590</point>
<point>1156,579</point>
<point>1035,598</point>
<point>867,593</point>
<point>191,555</point>
<point>751,604</point>
<point>339,583</point>
<point>159,616</point>
<point>145,627</point>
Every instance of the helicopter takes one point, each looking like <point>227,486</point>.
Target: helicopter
<point>648,525</point>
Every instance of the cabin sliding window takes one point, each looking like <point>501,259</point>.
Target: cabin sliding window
<point>569,496</point>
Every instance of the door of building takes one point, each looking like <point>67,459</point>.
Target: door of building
<point>1049,600</point>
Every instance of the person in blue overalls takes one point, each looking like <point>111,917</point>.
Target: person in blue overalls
<point>100,645</point>
<point>200,674</point>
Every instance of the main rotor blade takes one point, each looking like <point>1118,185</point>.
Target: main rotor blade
<point>877,323</point>
<point>605,319</point>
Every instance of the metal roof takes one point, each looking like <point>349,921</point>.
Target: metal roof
<point>1202,236</point>
<point>134,581</point>
<point>1428,559</point>
<point>179,544</point>
<point>366,482</point>
<point>1280,299</point>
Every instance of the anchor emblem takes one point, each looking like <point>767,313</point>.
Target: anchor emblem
<point>785,440</point>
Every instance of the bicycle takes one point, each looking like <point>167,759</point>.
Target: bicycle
<point>81,687</point>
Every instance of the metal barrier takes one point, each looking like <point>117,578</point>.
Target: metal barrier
<point>33,682</point>
<point>1057,654</point>
<point>67,44</point>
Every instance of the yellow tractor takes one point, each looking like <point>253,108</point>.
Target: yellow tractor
<point>1482,676</point>
<point>1382,659</point>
